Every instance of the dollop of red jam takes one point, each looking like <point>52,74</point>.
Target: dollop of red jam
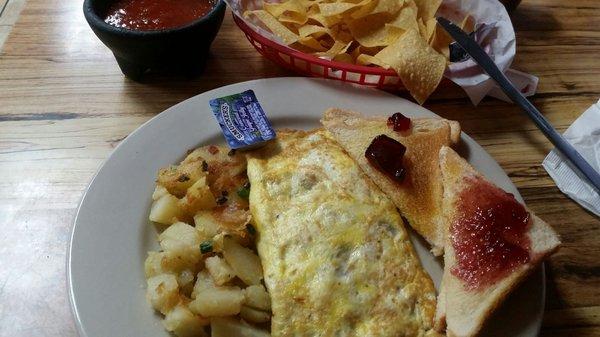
<point>386,154</point>
<point>398,122</point>
<point>489,234</point>
<point>156,14</point>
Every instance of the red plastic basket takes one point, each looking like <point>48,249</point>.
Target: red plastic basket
<point>310,65</point>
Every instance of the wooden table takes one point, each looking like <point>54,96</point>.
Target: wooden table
<point>64,106</point>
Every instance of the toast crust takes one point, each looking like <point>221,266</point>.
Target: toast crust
<point>461,311</point>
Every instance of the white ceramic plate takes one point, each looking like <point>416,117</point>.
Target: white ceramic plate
<point>112,235</point>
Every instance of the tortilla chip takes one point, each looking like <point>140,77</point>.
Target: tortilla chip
<point>279,8</point>
<point>418,65</point>
<point>336,49</point>
<point>364,59</point>
<point>371,31</point>
<point>312,43</point>
<point>468,24</point>
<point>310,30</point>
<point>343,57</point>
<point>325,21</point>
<point>422,28</point>
<point>287,36</point>
<point>427,8</point>
<point>343,35</point>
<point>406,19</point>
<point>337,8</point>
<point>308,3</point>
<point>441,40</point>
<point>369,50</point>
<point>430,28</point>
<point>389,7</point>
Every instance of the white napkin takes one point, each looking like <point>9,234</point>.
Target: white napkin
<point>584,135</point>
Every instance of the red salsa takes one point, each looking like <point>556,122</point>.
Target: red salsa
<point>386,155</point>
<point>156,14</point>
<point>489,234</point>
<point>398,122</point>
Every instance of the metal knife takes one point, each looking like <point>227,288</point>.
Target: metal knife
<point>481,57</point>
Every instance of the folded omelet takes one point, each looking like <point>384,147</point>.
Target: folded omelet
<point>337,260</point>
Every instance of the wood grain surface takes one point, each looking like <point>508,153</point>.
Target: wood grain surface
<point>9,13</point>
<point>64,106</point>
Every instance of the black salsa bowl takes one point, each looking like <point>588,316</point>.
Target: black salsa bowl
<point>181,50</point>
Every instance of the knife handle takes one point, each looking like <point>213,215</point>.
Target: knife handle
<point>542,123</point>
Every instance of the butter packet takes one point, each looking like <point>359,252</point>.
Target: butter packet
<point>242,120</point>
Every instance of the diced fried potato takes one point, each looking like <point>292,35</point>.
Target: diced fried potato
<point>243,261</point>
<point>206,223</point>
<point>174,181</point>
<point>182,240</point>
<point>183,323</point>
<point>253,315</point>
<point>204,282</point>
<point>233,219</point>
<point>257,297</point>
<point>226,170</point>
<point>222,301</point>
<point>218,242</point>
<point>162,292</point>
<point>218,268</point>
<point>198,197</point>
<point>159,191</point>
<point>229,327</point>
<point>185,279</point>
<point>154,264</point>
<point>245,241</point>
<point>207,153</point>
<point>185,191</point>
<point>177,179</point>
<point>166,210</point>
<point>220,160</point>
<point>166,263</point>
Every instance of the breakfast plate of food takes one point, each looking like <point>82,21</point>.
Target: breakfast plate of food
<point>330,210</point>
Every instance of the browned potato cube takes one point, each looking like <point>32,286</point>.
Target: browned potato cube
<point>229,327</point>
<point>198,197</point>
<point>222,301</point>
<point>162,292</point>
<point>177,179</point>
<point>183,323</point>
<point>254,315</point>
<point>166,210</point>
<point>243,261</point>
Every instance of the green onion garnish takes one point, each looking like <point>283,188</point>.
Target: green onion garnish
<point>244,191</point>
<point>206,247</point>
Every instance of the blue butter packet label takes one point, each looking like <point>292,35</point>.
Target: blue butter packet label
<point>242,119</point>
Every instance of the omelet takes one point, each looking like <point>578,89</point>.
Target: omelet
<point>337,260</point>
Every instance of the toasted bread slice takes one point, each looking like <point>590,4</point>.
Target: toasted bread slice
<point>419,197</point>
<point>463,304</point>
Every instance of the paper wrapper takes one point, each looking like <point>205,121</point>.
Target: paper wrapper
<point>495,34</point>
<point>584,135</point>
